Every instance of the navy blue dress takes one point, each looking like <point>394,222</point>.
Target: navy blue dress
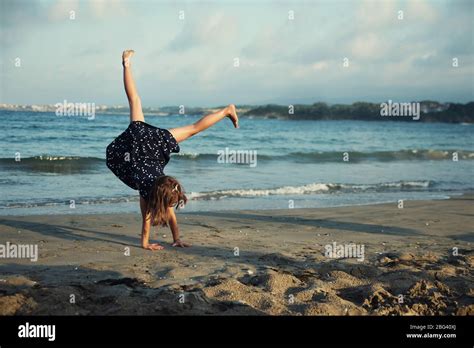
<point>139,155</point>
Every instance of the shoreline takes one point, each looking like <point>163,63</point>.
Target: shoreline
<point>432,111</point>
<point>267,262</point>
<point>135,200</point>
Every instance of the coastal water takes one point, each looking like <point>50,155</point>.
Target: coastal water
<point>56,165</point>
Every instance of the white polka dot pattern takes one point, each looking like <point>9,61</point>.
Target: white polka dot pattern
<point>139,155</point>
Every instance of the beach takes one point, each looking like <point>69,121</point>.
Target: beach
<point>415,260</point>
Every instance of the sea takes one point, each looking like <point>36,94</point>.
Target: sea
<point>53,164</point>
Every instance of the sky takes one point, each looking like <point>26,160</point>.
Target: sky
<point>288,52</point>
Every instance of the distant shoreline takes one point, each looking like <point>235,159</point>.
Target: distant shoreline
<point>429,111</point>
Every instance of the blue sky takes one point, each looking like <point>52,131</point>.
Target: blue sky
<point>191,61</point>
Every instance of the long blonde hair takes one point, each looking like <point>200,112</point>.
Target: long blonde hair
<point>166,192</point>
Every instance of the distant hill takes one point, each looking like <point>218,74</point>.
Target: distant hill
<point>430,111</point>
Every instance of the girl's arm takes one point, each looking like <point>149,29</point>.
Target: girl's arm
<point>146,226</point>
<point>173,222</point>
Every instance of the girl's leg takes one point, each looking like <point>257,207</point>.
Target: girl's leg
<point>183,133</point>
<point>136,113</point>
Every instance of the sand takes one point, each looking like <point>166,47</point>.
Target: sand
<point>417,261</point>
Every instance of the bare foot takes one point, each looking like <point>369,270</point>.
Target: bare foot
<point>232,114</point>
<point>126,55</point>
<point>153,246</point>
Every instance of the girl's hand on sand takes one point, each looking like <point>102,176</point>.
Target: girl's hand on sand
<point>181,244</point>
<point>153,246</point>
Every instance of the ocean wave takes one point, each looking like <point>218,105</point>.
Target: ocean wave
<point>52,164</point>
<point>51,158</point>
<point>353,156</point>
<point>77,164</point>
<point>194,156</point>
<point>309,189</point>
<point>59,203</point>
<point>314,188</point>
<point>384,156</point>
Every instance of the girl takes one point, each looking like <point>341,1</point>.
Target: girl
<point>139,155</point>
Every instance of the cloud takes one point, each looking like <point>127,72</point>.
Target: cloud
<point>421,11</point>
<point>86,10</point>
<point>17,19</point>
<point>61,10</point>
<point>368,45</point>
<point>375,14</point>
<point>216,30</point>
<point>191,61</point>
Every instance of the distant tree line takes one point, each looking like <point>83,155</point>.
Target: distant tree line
<point>430,111</point>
